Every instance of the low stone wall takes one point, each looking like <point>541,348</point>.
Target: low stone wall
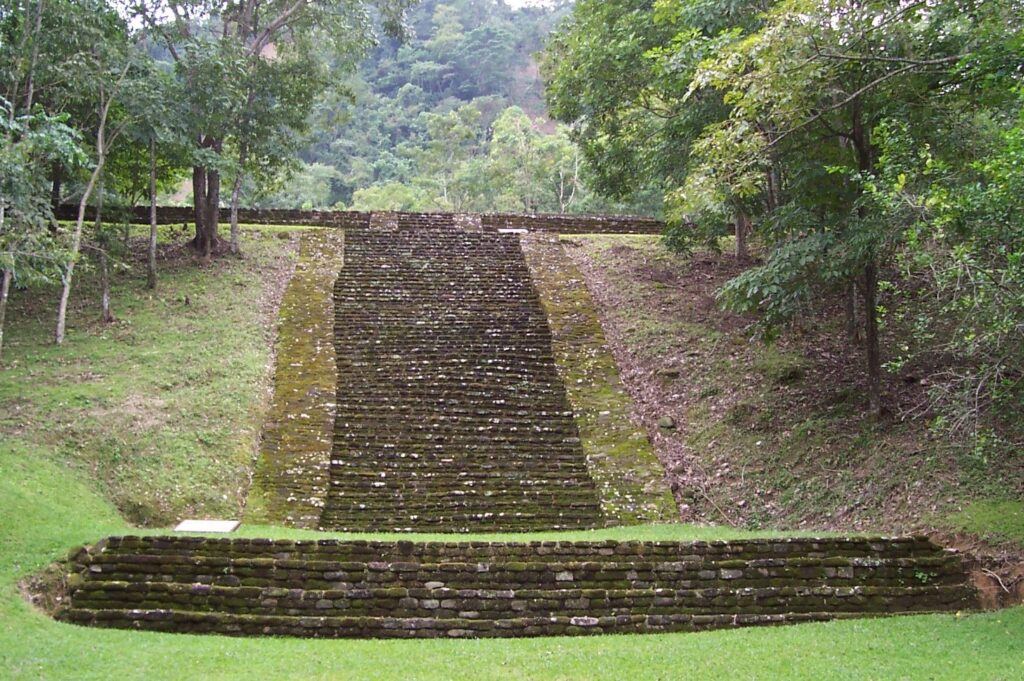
<point>479,589</point>
<point>172,215</point>
<point>541,222</point>
<point>573,224</point>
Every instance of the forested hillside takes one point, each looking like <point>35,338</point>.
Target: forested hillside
<point>452,117</point>
<point>868,159</point>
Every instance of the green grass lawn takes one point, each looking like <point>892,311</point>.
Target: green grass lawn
<point>47,508</point>
<point>60,487</point>
<point>992,519</point>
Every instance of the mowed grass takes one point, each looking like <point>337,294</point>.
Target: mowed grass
<point>47,508</point>
<point>52,499</point>
<point>993,519</point>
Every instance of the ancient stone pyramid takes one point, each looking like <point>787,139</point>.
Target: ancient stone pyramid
<point>450,413</point>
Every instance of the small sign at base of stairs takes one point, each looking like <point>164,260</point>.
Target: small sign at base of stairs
<point>207,526</point>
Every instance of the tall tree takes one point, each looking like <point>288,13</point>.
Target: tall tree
<point>29,145</point>
<point>452,139</point>
<point>620,74</point>
<point>279,95</point>
<point>155,148</point>
<point>213,44</point>
<point>107,81</point>
<point>808,91</point>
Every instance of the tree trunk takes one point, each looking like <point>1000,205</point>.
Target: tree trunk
<point>742,229</point>
<point>5,287</point>
<point>30,87</point>
<point>860,137</point>
<point>69,271</point>
<point>772,188</point>
<point>58,179</point>
<point>107,314</point>
<point>76,237</point>
<point>850,310</point>
<point>212,213</point>
<point>206,192</point>
<point>206,198</point>
<point>874,361</point>
<point>199,205</point>
<point>151,254</point>
<point>5,291</point>
<point>236,195</point>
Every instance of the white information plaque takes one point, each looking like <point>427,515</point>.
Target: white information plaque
<point>207,526</point>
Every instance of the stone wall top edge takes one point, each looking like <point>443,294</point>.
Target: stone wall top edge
<point>894,541</point>
<point>176,213</point>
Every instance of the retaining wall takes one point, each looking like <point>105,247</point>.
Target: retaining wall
<point>338,589</point>
<point>540,222</point>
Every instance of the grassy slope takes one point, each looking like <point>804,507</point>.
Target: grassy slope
<point>158,407</point>
<point>777,433</point>
<point>47,506</point>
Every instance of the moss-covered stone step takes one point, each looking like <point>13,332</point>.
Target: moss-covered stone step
<point>521,473</point>
<point>449,409</point>
<point>875,547</point>
<point>483,478</point>
<point>381,589</point>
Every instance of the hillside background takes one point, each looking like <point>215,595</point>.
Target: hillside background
<point>451,119</point>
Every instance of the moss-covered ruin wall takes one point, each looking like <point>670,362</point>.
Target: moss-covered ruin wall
<point>630,479</point>
<point>426,590</point>
<point>292,471</point>
<point>450,412</point>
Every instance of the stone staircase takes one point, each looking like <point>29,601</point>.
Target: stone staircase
<point>450,416</point>
<point>450,413</point>
<point>335,589</point>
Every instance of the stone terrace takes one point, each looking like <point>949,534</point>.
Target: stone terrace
<point>559,223</point>
<point>450,416</point>
<point>450,413</point>
<point>334,589</point>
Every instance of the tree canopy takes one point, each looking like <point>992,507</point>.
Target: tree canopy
<point>822,126</point>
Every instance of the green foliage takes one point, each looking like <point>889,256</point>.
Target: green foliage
<point>312,186</point>
<point>964,231</point>
<point>452,119</point>
<point>29,145</point>
<point>815,119</point>
<point>390,196</point>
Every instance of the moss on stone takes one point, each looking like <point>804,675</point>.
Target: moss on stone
<point>628,474</point>
<point>291,476</point>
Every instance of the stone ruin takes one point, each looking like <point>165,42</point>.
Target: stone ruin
<point>450,416</point>
<point>450,412</point>
<point>346,589</point>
